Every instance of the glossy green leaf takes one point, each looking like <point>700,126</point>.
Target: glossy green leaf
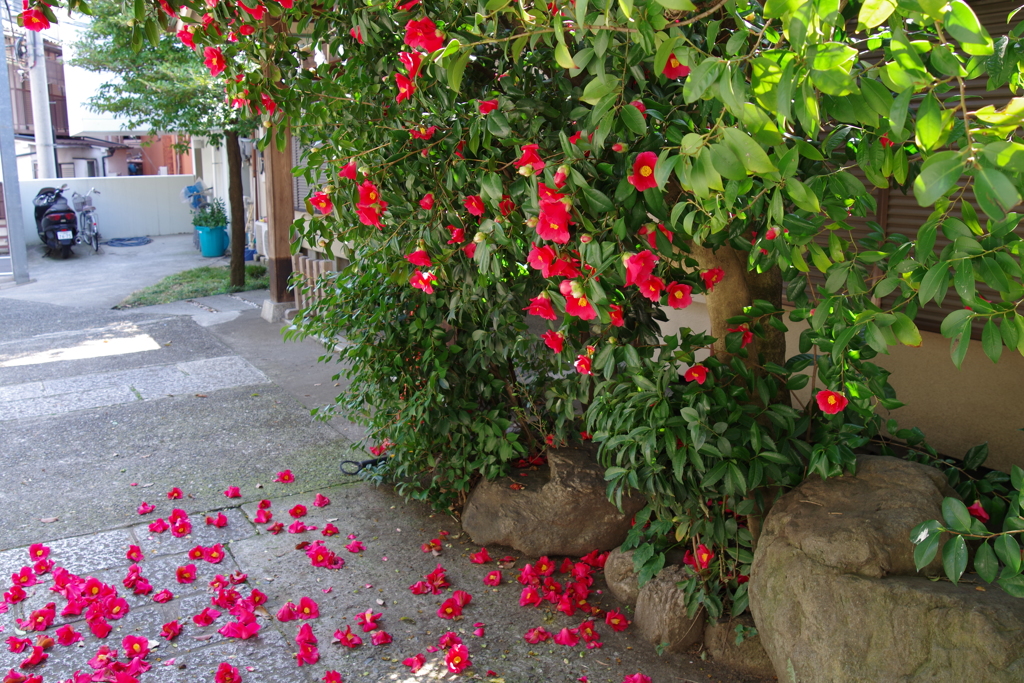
<point>599,87</point>
<point>963,24</point>
<point>906,331</point>
<point>938,176</point>
<point>633,119</point>
<point>802,196</point>
<point>749,153</point>
<point>563,58</point>
<point>954,558</point>
<point>677,5</point>
<point>991,341</point>
<point>874,12</point>
<point>931,284</point>
<point>985,563</point>
<point>1008,551</point>
<point>955,515</point>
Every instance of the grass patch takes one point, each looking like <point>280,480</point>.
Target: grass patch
<point>190,284</point>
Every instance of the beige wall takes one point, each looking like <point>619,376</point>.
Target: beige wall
<point>956,409</point>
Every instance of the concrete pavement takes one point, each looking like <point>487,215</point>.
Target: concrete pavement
<point>101,410</point>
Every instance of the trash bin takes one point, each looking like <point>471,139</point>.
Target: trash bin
<point>212,241</point>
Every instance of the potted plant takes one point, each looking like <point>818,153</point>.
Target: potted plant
<point>210,222</point>
<point>213,215</point>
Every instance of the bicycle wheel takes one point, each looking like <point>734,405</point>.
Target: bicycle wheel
<point>95,230</point>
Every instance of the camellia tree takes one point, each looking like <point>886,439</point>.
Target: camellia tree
<point>522,189</point>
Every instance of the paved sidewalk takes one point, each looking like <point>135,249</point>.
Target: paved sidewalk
<point>102,410</point>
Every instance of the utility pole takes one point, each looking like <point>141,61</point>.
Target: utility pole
<point>41,123</point>
<point>12,189</point>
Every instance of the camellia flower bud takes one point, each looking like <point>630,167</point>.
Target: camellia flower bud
<point>526,171</point>
<point>586,238</point>
<point>576,288</point>
<point>479,237</point>
<point>532,222</point>
<point>618,147</point>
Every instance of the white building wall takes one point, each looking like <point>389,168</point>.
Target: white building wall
<point>128,206</point>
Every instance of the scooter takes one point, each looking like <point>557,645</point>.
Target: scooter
<point>56,222</point>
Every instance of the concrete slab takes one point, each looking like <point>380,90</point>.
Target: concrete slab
<point>88,280</point>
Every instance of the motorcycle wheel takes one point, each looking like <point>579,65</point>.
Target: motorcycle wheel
<point>65,251</point>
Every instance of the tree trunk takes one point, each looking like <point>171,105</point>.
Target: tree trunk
<point>237,209</point>
<point>737,290</point>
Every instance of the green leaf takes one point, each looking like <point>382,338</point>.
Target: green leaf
<point>749,153</point>
<point>956,516</point>
<point>898,113</point>
<point>929,132</point>
<point>701,78</point>
<point>497,124</point>
<point>996,194</point>
<point>954,558</point>
<point>598,201</point>
<point>633,119</point>
<point>992,341</point>
<point>931,285</point>
<point>456,70</point>
<point>938,176</point>
<point>663,53</point>
<point>1008,551</point>
<point>924,552</point>
<point>598,87</point>
<point>677,5</point>
<point>776,9</point>
<point>563,57</point>
<point>975,457</point>
<point>1014,585</point>
<point>906,331</point>
<point>874,12</point>
<point>962,24</point>
<point>802,196</point>
<point>985,563</point>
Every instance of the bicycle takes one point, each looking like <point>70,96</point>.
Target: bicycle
<point>88,227</point>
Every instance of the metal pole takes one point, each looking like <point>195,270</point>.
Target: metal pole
<point>12,187</point>
<point>41,122</point>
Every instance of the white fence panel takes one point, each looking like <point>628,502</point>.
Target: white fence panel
<point>129,206</point>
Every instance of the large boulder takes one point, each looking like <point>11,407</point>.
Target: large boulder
<point>563,509</point>
<point>747,657</point>
<point>621,577</point>
<point>836,597</point>
<point>661,612</point>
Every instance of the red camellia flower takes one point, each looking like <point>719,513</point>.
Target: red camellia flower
<point>554,219</point>
<point>368,620</point>
<point>978,511</point>
<point>412,62</point>
<point>332,677</point>
<point>186,574</point>
<point>322,202</point>
<point>220,521</point>
<point>475,205</point>
<point>214,60</point>
<point>421,280</point>
<point>134,553</point>
<point>422,133</point>
<point>170,630</point>
<point>347,638</point>
<point>583,365</point>
<point>307,609</point>
<point>285,477</point>
<point>697,373</point>
<point>615,314</point>
<point>560,175</point>
<point>643,171</point>
<point>423,33</point>
<point>419,258</point>
<point>493,578</point>
<point>298,511</point>
<point>536,635</point>
<point>674,69</point>
<point>712,277</point>
<point>831,402</point>
<point>616,619</point>
<point>639,267</point>
<point>415,663</point>
<point>233,492</point>
<point>227,674</point>
<point>636,678</point>
<point>748,336</point>
<point>554,341</point>
<point>380,638</point>
<point>486,106</point>
<point>679,295</point>
<point>640,105</point>
<point>214,554</point>
<point>405,87</point>
<point>541,306</point>
<point>34,20</point>
<point>567,637</point>
<point>506,205</point>
<point>457,659</point>
<point>66,635</point>
<point>357,34</point>
<point>701,559</point>
<point>163,596</point>
<point>187,39</point>
<point>174,494</point>
<point>481,557</point>
<point>652,288</point>
<point>449,609</point>
<point>427,203</point>
<point>530,159</point>
<point>206,617</point>
<point>145,508</point>
<point>576,302</point>
<point>348,171</point>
